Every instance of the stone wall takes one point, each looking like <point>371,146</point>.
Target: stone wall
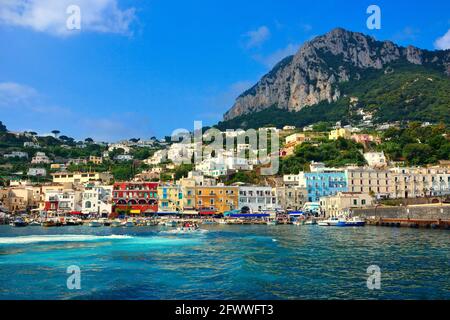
<point>428,212</point>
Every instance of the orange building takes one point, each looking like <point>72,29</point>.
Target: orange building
<point>216,199</point>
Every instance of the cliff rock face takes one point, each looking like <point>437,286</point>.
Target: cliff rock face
<point>311,76</point>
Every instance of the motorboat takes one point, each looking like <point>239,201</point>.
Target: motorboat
<point>128,224</point>
<point>310,222</point>
<point>342,222</point>
<point>116,224</point>
<point>272,222</point>
<point>170,224</point>
<point>19,222</point>
<point>95,224</point>
<point>34,223</point>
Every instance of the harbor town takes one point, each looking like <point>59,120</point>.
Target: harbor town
<point>169,192</point>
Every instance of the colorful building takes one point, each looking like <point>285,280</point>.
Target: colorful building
<point>135,198</point>
<point>170,198</point>
<point>217,199</point>
<point>340,133</point>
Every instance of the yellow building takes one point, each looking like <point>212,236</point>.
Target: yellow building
<point>170,198</point>
<point>81,177</point>
<point>95,160</point>
<point>217,198</point>
<point>340,133</point>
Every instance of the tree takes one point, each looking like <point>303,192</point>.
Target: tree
<point>3,128</point>
<point>56,133</point>
<point>89,140</point>
<point>418,154</point>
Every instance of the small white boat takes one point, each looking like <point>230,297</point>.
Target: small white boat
<point>342,222</point>
<point>95,224</point>
<point>310,222</point>
<point>170,224</point>
<point>128,224</point>
<point>116,224</point>
<point>34,223</point>
<point>272,223</point>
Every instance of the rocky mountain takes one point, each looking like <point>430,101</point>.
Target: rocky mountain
<point>314,75</point>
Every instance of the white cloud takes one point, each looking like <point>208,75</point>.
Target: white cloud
<point>50,16</point>
<point>443,43</point>
<point>272,59</point>
<point>257,37</point>
<point>12,93</point>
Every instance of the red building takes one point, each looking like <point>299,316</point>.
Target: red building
<point>135,198</point>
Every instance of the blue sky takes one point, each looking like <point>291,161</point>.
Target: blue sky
<point>144,68</point>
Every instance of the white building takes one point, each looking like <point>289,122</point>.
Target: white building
<point>157,158</point>
<point>37,172</point>
<point>31,145</point>
<point>254,199</point>
<point>97,200</point>
<point>124,157</point>
<point>63,200</point>
<point>16,154</point>
<point>212,167</point>
<point>116,146</point>
<point>40,158</point>
<point>376,159</point>
<point>419,182</point>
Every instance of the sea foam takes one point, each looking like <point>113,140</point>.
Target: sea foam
<point>59,238</point>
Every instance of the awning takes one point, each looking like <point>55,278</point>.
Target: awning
<point>189,212</point>
<point>296,213</point>
<point>260,215</point>
<point>135,211</point>
<point>207,213</point>
<point>76,213</point>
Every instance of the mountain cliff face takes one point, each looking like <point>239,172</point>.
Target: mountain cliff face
<point>313,74</point>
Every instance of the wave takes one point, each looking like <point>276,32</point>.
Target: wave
<point>59,238</point>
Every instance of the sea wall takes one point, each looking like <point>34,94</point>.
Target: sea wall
<point>425,212</point>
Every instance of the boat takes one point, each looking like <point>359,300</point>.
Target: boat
<point>272,222</point>
<point>19,222</point>
<point>51,223</point>
<point>95,224</point>
<point>170,223</point>
<point>299,222</point>
<point>34,223</point>
<point>127,224</point>
<point>116,224</point>
<point>310,222</point>
<point>342,222</point>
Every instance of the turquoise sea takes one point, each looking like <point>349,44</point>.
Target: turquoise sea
<point>224,262</point>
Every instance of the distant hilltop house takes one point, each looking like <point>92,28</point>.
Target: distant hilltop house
<point>289,128</point>
<point>95,160</point>
<point>81,177</point>
<point>123,157</point>
<point>16,154</point>
<point>40,158</point>
<point>31,145</point>
<point>37,172</point>
<point>117,146</point>
<point>376,159</point>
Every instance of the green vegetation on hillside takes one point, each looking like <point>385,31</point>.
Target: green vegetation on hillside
<point>333,153</point>
<point>399,92</point>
